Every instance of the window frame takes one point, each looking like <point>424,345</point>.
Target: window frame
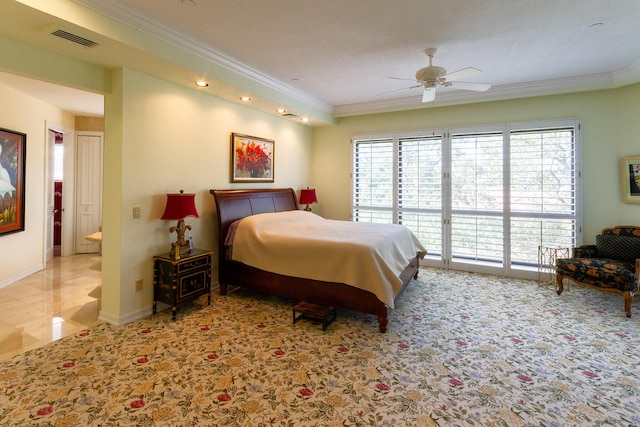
<point>443,256</point>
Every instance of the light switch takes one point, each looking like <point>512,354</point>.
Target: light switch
<point>136,211</point>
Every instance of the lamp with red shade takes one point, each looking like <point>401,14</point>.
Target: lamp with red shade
<point>179,206</point>
<point>308,197</point>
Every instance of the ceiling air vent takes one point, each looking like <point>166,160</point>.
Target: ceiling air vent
<point>74,38</point>
<point>290,115</point>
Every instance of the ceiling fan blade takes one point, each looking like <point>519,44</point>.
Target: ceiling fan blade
<point>402,78</point>
<point>461,74</point>
<point>399,90</point>
<point>429,94</point>
<point>478,87</point>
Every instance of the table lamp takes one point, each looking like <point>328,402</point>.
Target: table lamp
<point>308,197</point>
<point>179,206</point>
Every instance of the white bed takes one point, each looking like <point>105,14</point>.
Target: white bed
<point>302,244</point>
<point>369,283</point>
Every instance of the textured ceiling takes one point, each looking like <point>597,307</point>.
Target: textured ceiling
<point>343,51</point>
<point>337,55</point>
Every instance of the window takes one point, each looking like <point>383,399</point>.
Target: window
<point>477,202</point>
<point>475,197</point>
<point>543,191</point>
<point>373,176</point>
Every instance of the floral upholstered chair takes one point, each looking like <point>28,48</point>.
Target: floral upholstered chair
<point>612,264</point>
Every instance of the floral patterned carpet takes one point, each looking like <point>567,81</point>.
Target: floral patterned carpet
<point>461,350</point>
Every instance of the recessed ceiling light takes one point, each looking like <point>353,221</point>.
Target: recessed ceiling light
<point>202,83</point>
<point>245,98</point>
<point>305,119</point>
<point>280,110</point>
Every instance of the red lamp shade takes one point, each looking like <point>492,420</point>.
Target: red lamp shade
<point>308,196</point>
<point>180,206</point>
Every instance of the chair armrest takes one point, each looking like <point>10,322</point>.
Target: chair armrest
<point>585,251</point>
<point>638,270</point>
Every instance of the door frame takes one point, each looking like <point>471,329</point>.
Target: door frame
<point>68,194</point>
<point>77,171</point>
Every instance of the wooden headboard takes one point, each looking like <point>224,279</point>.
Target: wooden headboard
<point>232,205</point>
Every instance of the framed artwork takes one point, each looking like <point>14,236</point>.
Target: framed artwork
<point>13,149</point>
<point>251,158</point>
<point>630,168</point>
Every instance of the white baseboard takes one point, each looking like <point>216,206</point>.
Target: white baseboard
<point>123,320</point>
<point>22,275</point>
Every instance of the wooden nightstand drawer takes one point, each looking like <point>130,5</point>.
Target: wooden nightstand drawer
<point>200,261</point>
<point>192,284</point>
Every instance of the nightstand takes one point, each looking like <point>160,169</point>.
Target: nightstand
<point>180,280</point>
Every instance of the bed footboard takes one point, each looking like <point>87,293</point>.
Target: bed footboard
<point>314,291</point>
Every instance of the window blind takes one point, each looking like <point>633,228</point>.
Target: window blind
<point>488,197</point>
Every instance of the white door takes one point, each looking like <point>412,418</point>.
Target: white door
<point>49,203</point>
<point>88,189</point>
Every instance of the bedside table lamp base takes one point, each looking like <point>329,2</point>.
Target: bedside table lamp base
<point>180,246</point>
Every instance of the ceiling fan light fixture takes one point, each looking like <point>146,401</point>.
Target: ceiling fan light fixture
<point>430,77</point>
<point>430,73</point>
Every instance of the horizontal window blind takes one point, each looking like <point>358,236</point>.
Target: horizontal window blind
<point>420,188</point>
<point>542,171</point>
<point>477,188</point>
<point>543,191</point>
<point>420,172</point>
<point>373,177</point>
<point>477,172</point>
<point>488,197</point>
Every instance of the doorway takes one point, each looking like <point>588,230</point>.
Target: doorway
<point>59,184</point>
<point>74,191</point>
<point>58,175</point>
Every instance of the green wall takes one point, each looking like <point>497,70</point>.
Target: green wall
<point>609,132</point>
<point>159,137</point>
<point>23,252</point>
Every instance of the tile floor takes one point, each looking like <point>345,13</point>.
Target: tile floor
<point>53,303</point>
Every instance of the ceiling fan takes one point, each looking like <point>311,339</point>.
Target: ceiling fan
<point>432,76</point>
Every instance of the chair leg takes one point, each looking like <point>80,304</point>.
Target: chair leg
<point>559,287</point>
<point>627,303</point>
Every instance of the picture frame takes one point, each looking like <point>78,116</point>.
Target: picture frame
<point>630,172</point>
<point>252,158</point>
<point>13,149</point>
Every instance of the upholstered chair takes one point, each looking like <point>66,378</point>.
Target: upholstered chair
<point>612,264</point>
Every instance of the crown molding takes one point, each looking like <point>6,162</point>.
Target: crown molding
<point>140,22</point>
<point>497,93</point>
<point>627,75</point>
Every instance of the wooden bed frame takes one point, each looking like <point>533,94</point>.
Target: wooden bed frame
<point>232,205</point>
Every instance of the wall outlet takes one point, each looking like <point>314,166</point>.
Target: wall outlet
<point>139,284</point>
<point>136,211</point>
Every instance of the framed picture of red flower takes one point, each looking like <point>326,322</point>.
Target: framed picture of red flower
<point>251,158</point>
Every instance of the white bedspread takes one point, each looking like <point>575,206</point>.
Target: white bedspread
<point>302,244</point>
